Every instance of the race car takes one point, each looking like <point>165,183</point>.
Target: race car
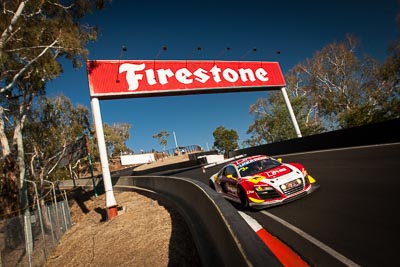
<point>261,181</point>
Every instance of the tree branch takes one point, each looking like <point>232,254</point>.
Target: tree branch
<point>9,29</point>
<point>16,76</point>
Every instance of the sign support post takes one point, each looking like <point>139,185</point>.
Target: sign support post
<point>111,204</point>
<point>291,113</point>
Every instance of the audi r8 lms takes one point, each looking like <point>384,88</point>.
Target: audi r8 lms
<point>261,181</point>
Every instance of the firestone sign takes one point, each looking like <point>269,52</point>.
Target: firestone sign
<point>134,78</point>
<point>110,79</point>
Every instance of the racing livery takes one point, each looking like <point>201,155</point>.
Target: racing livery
<point>261,181</point>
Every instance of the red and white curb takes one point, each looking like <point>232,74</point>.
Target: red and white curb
<point>283,253</point>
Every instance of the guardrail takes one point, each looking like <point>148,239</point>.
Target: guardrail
<point>221,235</point>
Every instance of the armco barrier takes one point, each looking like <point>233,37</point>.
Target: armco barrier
<point>222,236</point>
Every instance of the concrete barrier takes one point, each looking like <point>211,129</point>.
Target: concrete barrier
<point>371,134</point>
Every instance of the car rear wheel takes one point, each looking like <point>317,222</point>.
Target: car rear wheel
<point>243,197</point>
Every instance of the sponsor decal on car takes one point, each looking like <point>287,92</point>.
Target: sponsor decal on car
<point>277,172</point>
<point>256,179</point>
<point>244,164</point>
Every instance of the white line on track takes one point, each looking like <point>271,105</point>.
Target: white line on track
<point>311,239</point>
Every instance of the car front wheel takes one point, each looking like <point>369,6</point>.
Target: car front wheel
<point>243,197</point>
<point>211,184</point>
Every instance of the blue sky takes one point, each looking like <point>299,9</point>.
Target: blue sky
<point>295,28</point>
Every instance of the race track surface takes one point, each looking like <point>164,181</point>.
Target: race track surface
<point>350,220</point>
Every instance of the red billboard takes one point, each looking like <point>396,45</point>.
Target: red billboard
<point>144,78</point>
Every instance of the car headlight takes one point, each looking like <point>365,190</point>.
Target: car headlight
<point>291,184</point>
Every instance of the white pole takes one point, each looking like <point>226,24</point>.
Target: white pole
<point>55,199</point>
<point>111,204</point>
<point>40,217</point>
<point>291,113</point>
<point>176,143</point>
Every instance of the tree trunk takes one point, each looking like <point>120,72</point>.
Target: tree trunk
<point>23,187</point>
<point>45,215</point>
<point>3,138</point>
<point>21,164</point>
<point>10,188</point>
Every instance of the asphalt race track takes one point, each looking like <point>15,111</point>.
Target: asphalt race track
<point>350,220</point>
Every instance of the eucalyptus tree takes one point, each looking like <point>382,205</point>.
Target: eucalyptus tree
<point>272,122</point>
<point>53,125</point>
<point>54,135</point>
<point>388,79</point>
<point>344,88</point>
<point>334,89</point>
<point>162,138</point>
<point>34,35</point>
<point>225,140</point>
<point>115,137</point>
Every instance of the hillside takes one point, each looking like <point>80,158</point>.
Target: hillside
<point>145,233</point>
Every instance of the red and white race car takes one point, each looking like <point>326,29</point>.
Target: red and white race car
<point>261,181</point>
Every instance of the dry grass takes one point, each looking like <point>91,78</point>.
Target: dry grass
<point>145,234</point>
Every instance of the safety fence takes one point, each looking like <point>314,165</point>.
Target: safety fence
<point>183,150</point>
<point>21,246</point>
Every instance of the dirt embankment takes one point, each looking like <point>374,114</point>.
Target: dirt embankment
<point>145,233</point>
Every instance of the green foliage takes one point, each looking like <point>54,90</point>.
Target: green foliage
<point>162,138</point>
<point>34,35</point>
<point>345,90</point>
<point>272,121</point>
<point>225,140</point>
<point>333,90</point>
<point>44,31</point>
<point>53,124</point>
<point>115,137</point>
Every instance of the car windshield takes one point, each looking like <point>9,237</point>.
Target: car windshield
<point>258,166</point>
